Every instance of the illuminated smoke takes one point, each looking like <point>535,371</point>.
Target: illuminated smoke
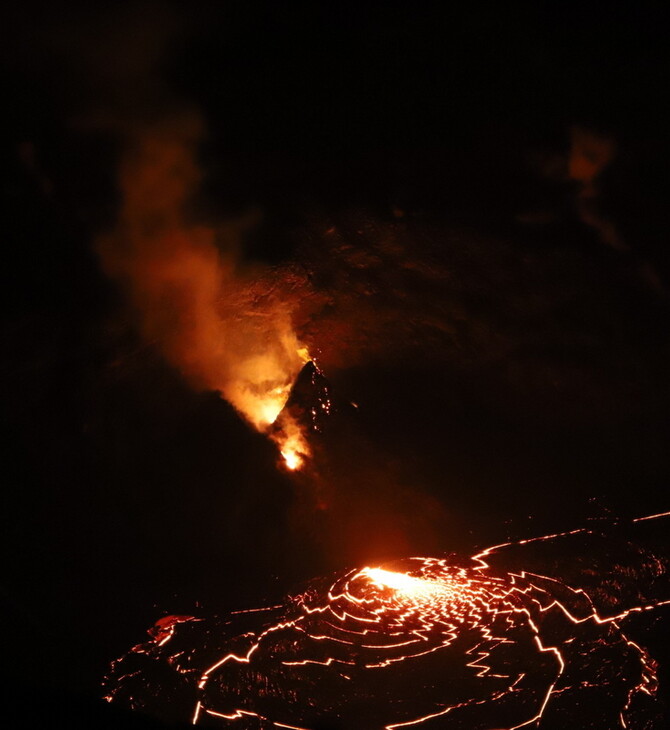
<point>590,154</point>
<point>192,297</point>
<point>222,324</point>
<point>292,443</point>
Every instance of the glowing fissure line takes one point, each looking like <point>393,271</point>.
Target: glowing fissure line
<point>470,703</point>
<point>554,650</point>
<point>537,717</point>
<point>242,713</point>
<point>652,517</point>
<point>245,659</point>
<point>321,637</point>
<point>423,589</point>
<point>256,610</point>
<point>388,662</point>
<point>327,663</point>
<point>444,600</point>
<point>484,668</point>
<point>527,541</point>
<point>594,615</point>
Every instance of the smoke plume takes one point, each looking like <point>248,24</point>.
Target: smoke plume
<point>590,154</point>
<point>192,297</point>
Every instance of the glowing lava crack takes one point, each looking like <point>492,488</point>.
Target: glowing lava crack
<point>485,641</point>
<point>419,642</point>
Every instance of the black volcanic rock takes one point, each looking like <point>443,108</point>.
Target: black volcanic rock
<point>309,402</point>
<point>463,643</point>
<point>34,707</point>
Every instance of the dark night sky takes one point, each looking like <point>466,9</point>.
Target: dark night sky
<point>127,494</point>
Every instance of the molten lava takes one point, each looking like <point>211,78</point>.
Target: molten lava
<point>283,428</point>
<point>405,585</point>
<point>421,642</point>
<point>304,411</point>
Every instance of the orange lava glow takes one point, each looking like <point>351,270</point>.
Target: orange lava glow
<point>514,627</point>
<point>292,458</point>
<point>402,583</point>
<point>292,443</point>
<point>454,642</point>
<point>263,381</point>
<point>259,398</point>
<point>222,324</point>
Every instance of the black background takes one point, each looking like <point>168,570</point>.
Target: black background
<point>127,495</point>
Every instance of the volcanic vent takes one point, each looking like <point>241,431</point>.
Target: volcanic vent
<point>306,411</point>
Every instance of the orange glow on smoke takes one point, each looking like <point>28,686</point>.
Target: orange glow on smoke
<point>292,458</point>
<point>292,444</point>
<point>262,382</point>
<point>291,441</point>
<point>590,153</point>
<point>223,325</point>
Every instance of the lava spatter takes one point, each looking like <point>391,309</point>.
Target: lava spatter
<point>422,642</point>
